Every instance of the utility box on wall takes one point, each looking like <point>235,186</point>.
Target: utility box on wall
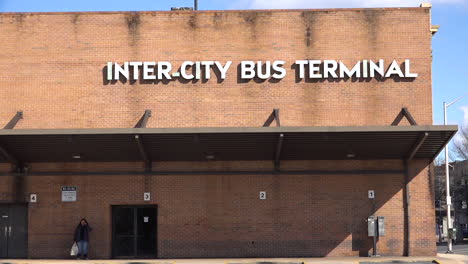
<point>381,226</point>
<point>371,226</point>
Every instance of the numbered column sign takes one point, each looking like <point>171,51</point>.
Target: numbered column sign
<point>147,196</point>
<point>262,195</point>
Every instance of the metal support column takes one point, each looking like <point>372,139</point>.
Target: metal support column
<point>144,119</point>
<point>279,146</point>
<point>406,212</point>
<point>274,116</point>
<point>14,120</point>
<point>144,155</point>
<point>404,113</point>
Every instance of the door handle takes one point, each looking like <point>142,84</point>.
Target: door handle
<point>9,231</point>
<point>6,231</point>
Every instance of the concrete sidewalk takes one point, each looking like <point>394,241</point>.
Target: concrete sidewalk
<point>441,258</point>
<point>452,258</point>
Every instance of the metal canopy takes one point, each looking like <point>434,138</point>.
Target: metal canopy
<point>233,143</point>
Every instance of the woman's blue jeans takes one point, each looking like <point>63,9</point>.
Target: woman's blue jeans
<point>82,248</point>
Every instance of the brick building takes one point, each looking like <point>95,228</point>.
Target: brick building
<point>203,153</point>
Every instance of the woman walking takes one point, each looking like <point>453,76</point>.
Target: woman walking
<point>82,238</point>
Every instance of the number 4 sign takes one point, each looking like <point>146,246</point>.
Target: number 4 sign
<point>33,198</point>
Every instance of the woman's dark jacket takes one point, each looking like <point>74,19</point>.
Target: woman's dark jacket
<point>82,233</point>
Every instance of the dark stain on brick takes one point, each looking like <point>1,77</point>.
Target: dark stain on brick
<point>309,19</point>
<point>75,18</point>
<point>19,18</point>
<point>192,22</point>
<point>133,21</point>
<point>308,37</point>
<point>256,20</point>
<point>217,19</point>
<point>372,21</point>
<point>250,17</point>
<point>424,242</point>
<point>393,244</point>
<point>133,24</point>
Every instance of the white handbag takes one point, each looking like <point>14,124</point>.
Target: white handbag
<point>74,250</point>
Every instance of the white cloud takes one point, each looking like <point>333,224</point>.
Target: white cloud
<point>278,4</point>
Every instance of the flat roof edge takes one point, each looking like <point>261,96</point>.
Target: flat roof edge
<point>215,130</point>
<point>211,11</point>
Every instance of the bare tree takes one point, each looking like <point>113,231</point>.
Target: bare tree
<point>440,160</point>
<point>460,143</point>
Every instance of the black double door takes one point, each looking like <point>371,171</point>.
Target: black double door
<point>134,231</point>
<point>13,230</point>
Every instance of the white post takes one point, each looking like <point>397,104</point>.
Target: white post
<point>447,188</point>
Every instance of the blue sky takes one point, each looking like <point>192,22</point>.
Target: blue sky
<point>450,70</point>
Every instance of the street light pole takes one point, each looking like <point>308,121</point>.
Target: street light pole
<point>447,189</point>
<point>447,179</point>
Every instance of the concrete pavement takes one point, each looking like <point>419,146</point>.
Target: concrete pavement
<point>460,255</point>
<point>452,259</point>
<point>461,249</point>
<point>327,260</point>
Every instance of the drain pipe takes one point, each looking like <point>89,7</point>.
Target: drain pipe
<point>406,212</point>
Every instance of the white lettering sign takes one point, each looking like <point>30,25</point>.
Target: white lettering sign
<point>261,70</point>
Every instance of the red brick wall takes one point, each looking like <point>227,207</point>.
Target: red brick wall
<point>221,215</point>
<point>326,210</point>
<point>52,65</point>
<point>421,209</point>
